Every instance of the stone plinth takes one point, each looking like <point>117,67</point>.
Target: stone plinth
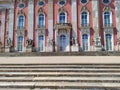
<point>7,49</point>
<point>28,49</point>
<point>75,48</point>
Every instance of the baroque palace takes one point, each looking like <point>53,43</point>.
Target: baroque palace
<point>59,25</point>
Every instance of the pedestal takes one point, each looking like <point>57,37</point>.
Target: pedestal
<point>98,48</point>
<point>75,48</point>
<point>7,49</point>
<point>28,49</point>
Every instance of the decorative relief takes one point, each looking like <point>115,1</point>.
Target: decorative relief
<point>84,8</point>
<point>21,12</point>
<point>85,31</point>
<point>62,32</point>
<point>41,32</point>
<point>107,8</point>
<point>41,10</point>
<point>62,9</point>
<point>108,31</point>
<point>20,32</point>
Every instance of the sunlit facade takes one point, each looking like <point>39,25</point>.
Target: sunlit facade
<point>59,25</point>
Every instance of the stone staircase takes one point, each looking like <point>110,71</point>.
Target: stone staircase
<point>60,76</point>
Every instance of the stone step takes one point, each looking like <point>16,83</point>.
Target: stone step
<point>58,74</point>
<point>59,85</point>
<point>61,66</point>
<point>59,70</point>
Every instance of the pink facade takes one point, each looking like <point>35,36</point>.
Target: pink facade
<point>87,16</point>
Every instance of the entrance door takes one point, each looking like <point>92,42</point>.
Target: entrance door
<point>62,43</point>
<point>41,43</point>
<point>20,43</point>
<point>108,42</point>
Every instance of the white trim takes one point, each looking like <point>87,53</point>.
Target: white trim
<point>84,3</point>
<point>88,40</point>
<point>110,17</point>
<point>41,1</point>
<point>38,18</point>
<point>88,21</point>
<point>23,49</point>
<point>106,3</point>
<point>21,3</point>
<point>65,16</point>
<point>18,19</point>
<point>43,42</point>
<point>112,40</point>
<point>59,2</point>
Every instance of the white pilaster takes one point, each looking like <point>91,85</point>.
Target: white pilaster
<point>95,9</point>
<point>74,24</point>
<point>50,25</point>
<point>3,26</point>
<point>30,18</point>
<point>11,23</point>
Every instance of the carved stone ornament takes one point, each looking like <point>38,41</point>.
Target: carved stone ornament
<point>108,31</point>
<point>21,12</point>
<point>29,43</point>
<point>41,32</point>
<point>85,31</point>
<point>9,42</point>
<point>84,8</point>
<point>107,8</point>
<point>41,10</point>
<point>20,32</point>
<point>62,9</point>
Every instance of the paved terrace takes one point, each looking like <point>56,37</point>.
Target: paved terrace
<point>61,59</point>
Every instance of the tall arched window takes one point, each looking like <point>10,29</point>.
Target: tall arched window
<point>84,18</point>
<point>62,17</point>
<point>21,22</point>
<point>107,16</point>
<point>85,42</point>
<point>62,43</point>
<point>20,43</point>
<point>41,43</point>
<point>108,42</point>
<point>41,20</point>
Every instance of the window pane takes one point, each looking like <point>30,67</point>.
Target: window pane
<point>85,42</point>
<point>108,42</point>
<point>41,20</point>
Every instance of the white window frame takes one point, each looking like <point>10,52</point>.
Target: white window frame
<point>22,43</point>
<point>111,41</point>
<point>65,16</point>
<point>110,17</point>
<point>38,19</point>
<point>18,20</point>
<point>88,40</point>
<point>88,19</point>
<point>43,43</point>
<point>66,40</point>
